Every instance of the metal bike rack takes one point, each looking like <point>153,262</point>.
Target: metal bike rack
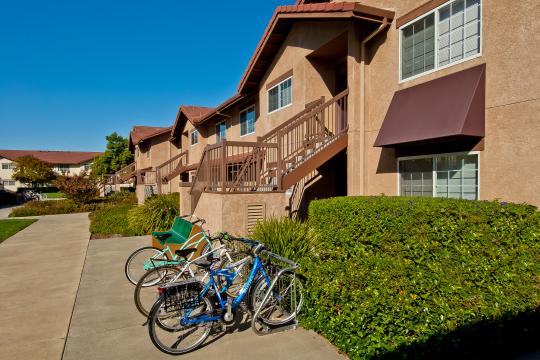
<point>266,329</point>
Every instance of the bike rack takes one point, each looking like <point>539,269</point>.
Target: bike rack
<point>266,329</point>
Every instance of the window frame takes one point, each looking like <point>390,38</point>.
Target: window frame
<point>245,110</point>
<point>279,96</point>
<point>217,131</point>
<point>434,156</point>
<point>191,143</point>
<point>8,166</point>
<point>436,66</point>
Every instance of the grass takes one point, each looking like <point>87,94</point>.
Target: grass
<point>55,195</point>
<point>12,226</point>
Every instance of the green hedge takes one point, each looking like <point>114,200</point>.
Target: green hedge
<point>424,278</point>
<point>157,213</point>
<point>112,220</point>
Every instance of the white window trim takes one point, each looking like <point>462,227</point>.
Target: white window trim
<point>216,127</point>
<point>191,143</point>
<point>279,98</point>
<point>432,156</point>
<point>436,47</point>
<point>240,117</point>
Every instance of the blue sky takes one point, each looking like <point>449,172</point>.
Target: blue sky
<point>72,72</point>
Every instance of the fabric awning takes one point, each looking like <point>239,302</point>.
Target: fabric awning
<point>442,109</point>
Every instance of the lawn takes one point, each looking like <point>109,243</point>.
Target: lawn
<point>11,227</point>
<point>55,195</point>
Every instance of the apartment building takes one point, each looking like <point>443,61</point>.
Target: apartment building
<point>62,162</point>
<point>411,98</point>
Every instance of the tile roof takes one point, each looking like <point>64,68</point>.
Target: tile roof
<point>52,157</point>
<point>196,113</point>
<point>280,24</point>
<point>140,133</point>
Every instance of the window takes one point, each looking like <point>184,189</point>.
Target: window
<point>148,149</point>
<point>9,182</point>
<point>194,137</point>
<point>280,95</point>
<point>447,175</point>
<point>247,121</point>
<point>444,36</point>
<point>87,167</point>
<point>8,166</point>
<point>138,151</point>
<point>63,168</point>
<point>221,131</point>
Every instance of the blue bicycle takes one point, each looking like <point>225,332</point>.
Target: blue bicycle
<point>185,312</point>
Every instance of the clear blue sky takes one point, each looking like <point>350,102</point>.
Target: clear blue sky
<point>74,71</point>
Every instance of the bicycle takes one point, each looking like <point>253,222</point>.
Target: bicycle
<point>150,257</point>
<point>183,268</point>
<point>183,316</point>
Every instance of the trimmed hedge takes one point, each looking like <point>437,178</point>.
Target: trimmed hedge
<point>156,214</point>
<point>112,221</point>
<point>424,278</point>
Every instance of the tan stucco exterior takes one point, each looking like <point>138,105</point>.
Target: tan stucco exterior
<point>507,155</point>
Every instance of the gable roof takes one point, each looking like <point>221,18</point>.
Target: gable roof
<point>281,23</point>
<point>52,157</point>
<point>190,113</point>
<point>141,133</point>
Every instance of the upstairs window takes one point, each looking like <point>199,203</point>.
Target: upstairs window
<point>8,166</point>
<point>63,168</point>
<point>446,35</point>
<point>194,137</point>
<point>247,121</point>
<point>221,131</point>
<point>280,95</point>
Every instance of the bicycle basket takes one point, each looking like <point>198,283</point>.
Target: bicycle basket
<point>181,295</point>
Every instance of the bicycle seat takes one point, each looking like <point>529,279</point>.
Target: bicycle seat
<point>184,253</point>
<point>205,262</point>
<point>162,236</point>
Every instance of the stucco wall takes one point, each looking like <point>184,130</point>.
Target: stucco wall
<point>511,44</point>
<point>228,212</point>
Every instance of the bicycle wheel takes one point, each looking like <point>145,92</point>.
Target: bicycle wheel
<point>280,308</point>
<point>139,259</point>
<point>170,336</point>
<point>145,295</point>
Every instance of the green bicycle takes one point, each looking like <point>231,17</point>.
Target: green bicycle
<point>186,233</point>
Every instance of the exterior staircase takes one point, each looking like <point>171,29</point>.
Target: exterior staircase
<point>280,158</point>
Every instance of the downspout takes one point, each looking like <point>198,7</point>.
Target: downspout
<point>363,100</point>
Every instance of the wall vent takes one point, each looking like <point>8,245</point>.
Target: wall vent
<point>255,212</point>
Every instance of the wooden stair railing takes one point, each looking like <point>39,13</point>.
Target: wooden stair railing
<point>280,157</point>
<point>172,167</point>
<point>126,173</point>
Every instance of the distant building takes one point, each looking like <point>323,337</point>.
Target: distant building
<point>62,162</point>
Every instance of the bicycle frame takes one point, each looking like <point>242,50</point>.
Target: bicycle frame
<point>257,268</point>
<point>149,265</point>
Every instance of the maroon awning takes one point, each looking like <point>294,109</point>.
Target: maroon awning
<point>445,108</point>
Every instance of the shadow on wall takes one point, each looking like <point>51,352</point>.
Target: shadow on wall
<point>387,162</point>
<point>509,337</point>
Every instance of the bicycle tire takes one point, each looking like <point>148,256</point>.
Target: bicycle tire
<point>164,274</point>
<point>284,304</point>
<point>131,273</point>
<point>155,328</point>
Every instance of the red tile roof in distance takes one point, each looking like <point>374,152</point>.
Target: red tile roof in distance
<point>52,157</point>
<point>281,22</point>
<point>140,133</point>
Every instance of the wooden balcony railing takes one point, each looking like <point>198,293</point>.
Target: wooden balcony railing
<point>235,166</point>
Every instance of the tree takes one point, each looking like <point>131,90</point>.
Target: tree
<point>115,157</point>
<point>79,188</point>
<point>32,171</point>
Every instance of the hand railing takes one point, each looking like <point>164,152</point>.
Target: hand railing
<point>168,170</point>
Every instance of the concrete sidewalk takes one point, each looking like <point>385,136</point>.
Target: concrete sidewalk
<point>106,325</point>
<point>40,275</point>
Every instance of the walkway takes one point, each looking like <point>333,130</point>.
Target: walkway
<point>106,324</point>
<point>40,274</point>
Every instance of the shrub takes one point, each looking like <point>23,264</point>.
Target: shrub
<point>80,188</point>
<point>156,214</point>
<point>424,278</point>
<point>286,237</point>
<point>112,220</point>
<point>122,197</point>
<point>37,208</point>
